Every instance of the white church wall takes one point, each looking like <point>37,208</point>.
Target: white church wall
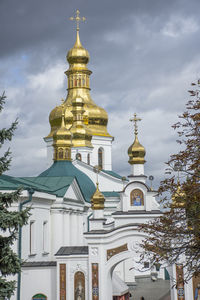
<point>97,141</point>
<point>84,151</point>
<point>38,280</point>
<point>106,182</point>
<point>36,241</point>
<point>121,220</point>
<point>49,142</point>
<point>73,265</point>
<point>106,144</point>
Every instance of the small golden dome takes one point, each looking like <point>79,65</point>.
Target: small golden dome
<point>97,200</point>
<point>78,54</point>
<point>136,151</point>
<point>178,198</point>
<point>62,141</point>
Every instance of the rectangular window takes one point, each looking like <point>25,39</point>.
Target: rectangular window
<point>32,237</point>
<point>45,237</point>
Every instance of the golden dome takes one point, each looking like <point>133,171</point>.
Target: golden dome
<point>78,54</point>
<point>81,135</point>
<point>178,198</point>
<point>136,151</point>
<point>94,117</point>
<point>97,200</point>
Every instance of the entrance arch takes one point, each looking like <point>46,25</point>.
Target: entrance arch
<point>108,249</point>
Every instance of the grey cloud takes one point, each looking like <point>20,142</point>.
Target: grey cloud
<point>140,61</point>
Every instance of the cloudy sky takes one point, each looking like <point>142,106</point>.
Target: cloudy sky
<point>144,55</point>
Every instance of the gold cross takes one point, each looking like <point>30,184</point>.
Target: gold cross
<point>135,120</point>
<point>77,19</point>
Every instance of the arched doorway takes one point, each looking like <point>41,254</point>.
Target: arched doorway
<point>108,250</point>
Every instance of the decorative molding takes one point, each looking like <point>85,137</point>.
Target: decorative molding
<point>62,281</point>
<point>95,281</point>
<point>94,251</point>
<point>133,246</point>
<point>114,251</point>
<point>78,268</point>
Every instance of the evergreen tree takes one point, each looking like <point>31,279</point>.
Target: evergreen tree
<point>175,236</point>
<point>10,221</point>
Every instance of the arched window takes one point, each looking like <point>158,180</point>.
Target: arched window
<point>100,158</point>
<point>39,297</point>
<point>79,81</point>
<point>79,285</point>
<point>137,198</point>
<point>88,159</point>
<point>75,81</point>
<point>60,153</point>
<point>78,156</point>
<point>83,80</point>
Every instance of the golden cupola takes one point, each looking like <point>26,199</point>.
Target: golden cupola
<point>97,200</point>
<point>136,151</point>
<point>62,141</point>
<point>81,135</point>
<point>94,117</point>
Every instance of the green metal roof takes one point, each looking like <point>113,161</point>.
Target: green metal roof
<point>55,180</point>
<point>111,194</point>
<point>66,168</point>
<point>111,173</point>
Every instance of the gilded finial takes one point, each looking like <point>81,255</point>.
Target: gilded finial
<point>77,19</point>
<point>135,120</point>
<point>98,199</point>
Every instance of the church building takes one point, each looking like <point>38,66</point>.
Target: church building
<point>81,241</point>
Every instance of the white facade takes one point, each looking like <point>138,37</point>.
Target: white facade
<point>62,224</point>
<point>99,142</point>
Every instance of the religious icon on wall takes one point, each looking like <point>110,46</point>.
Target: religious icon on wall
<point>79,286</point>
<point>137,198</point>
<point>196,287</point>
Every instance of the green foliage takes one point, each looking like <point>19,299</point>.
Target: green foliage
<point>10,220</point>
<point>175,236</point>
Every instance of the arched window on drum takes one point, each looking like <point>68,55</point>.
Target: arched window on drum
<point>60,153</point>
<point>88,159</point>
<point>78,156</point>
<point>100,158</point>
<point>137,198</point>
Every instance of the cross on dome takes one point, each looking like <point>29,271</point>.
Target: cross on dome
<point>135,120</point>
<point>77,19</point>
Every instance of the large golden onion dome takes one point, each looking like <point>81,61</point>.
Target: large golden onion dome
<point>94,117</point>
<point>136,151</point>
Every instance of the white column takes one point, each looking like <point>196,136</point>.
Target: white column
<point>66,228</point>
<point>57,231</point>
<point>73,229</point>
